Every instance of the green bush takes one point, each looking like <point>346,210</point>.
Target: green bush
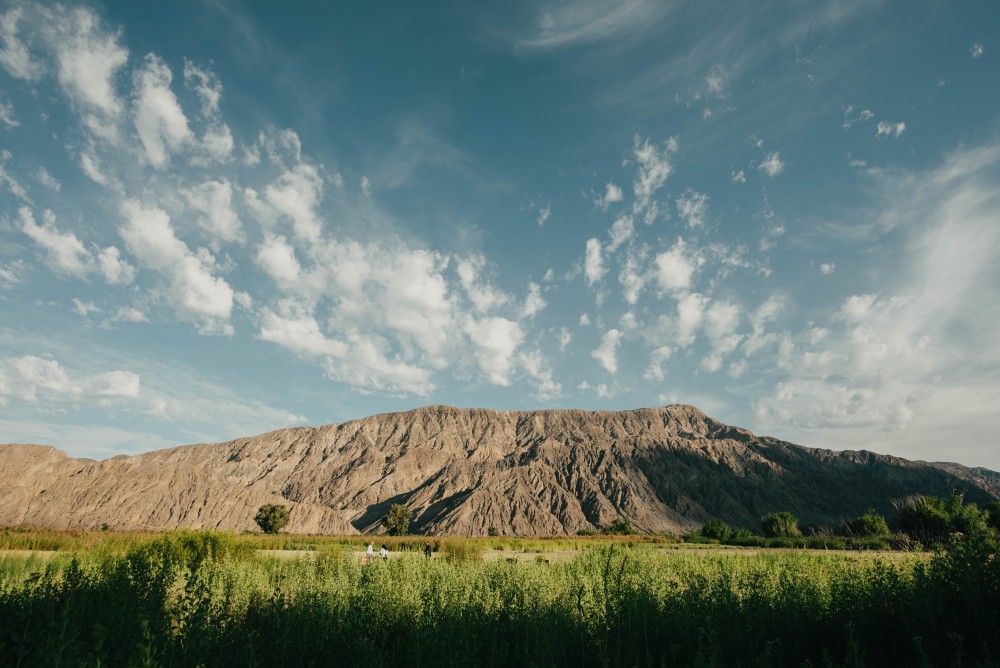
<point>781,525</point>
<point>868,524</point>
<point>717,529</point>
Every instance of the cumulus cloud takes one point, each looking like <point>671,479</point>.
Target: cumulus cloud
<point>593,262</point>
<point>546,388</point>
<point>675,269</point>
<point>692,206</point>
<point>654,168</point>
<point>14,55</point>
<point>157,115</point>
<point>7,114</point>
<point>193,292</point>
<point>976,50</point>
<point>657,358</point>
<point>495,339</point>
<point>611,195</point>
<point>533,303</point>
<point>827,267</point>
<point>738,177</point>
<point>42,176</point>
<point>67,255</point>
<point>88,58</point>
<point>477,286</point>
<point>771,164</point>
<point>607,352</point>
<point>894,130</point>
<point>544,213</point>
<point>214,201</point>
<point>621,231</point>
<point>35,380</point>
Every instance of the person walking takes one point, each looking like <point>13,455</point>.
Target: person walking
<point>427,550</point>
<point>384,552</point>
<point>370,553</point>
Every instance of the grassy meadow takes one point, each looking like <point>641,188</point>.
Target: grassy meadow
<point>215,599</point>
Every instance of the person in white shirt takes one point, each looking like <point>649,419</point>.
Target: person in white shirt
<point>384,552</point>
<point>370,553</point>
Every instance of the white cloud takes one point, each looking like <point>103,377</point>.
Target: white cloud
<point>621,231</point>
<point>593,263</point>
<point>895,368</point>
<point>14,55</point>
<point>772,164</point>
<point>827,267</point>
<point>654,170</point>
<point>692,206</point>
<point>675,269</point>
<point>88,58</point>
<point>546,388</point>
<point>738,177</point>
<point>296,194</point>
<point>657,358</point>
<point>607,352</point>
<point>35,380</point>
<point>633,276</point>
<point>157,115</point>
<point>194,293</point>
<point>47,180</point>
<point>10,273</point>
<point>690,314</point>
<point>277,258</point>
<point>480,291</point>
<point>495,339</point>
<point>84,308</point>
<point>66,254</point>
<point>214,200</point>
<point>91,167</point>
<point>976,50</point>
<point>544,213</point>
<point>366,186</point>
<point>533,303</point>
<point>885,129</point>
<point>590,21</point>
<point>6,179</point>
<point>7,114</point>
<point>584,320</point>
<point>564,338</point>
<point>611,195</point>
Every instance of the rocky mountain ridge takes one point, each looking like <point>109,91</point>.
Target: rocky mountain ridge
<point>464,471</point>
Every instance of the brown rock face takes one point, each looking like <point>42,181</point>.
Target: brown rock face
<point>462,471</point>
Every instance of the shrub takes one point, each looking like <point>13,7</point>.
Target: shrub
<point>619,527</point>
<point>271,517</point>
<point>492,531</point>
<point>717,529</point>
<point>781,525</point>
<point>868,524</point>
<point>397,522</point>
<point>931,520</point>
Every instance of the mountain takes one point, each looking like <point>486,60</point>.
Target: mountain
<point>462,471</point>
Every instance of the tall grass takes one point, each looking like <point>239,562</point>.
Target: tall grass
<point>187,599</point>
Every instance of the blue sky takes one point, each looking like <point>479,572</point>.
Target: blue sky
<point>221,218</point>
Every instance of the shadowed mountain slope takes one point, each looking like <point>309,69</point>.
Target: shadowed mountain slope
<point>462,471</point>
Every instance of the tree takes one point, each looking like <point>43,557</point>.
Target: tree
<point>716,529</point>
<point>397,522</point>
<point>992,510</point>
<point>781,525</point>
<point>272,517</point>
<point>869,524</point>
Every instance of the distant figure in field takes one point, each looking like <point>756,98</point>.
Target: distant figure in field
<point>370,553</point>
<point>427,550</point>
<point>384,552</point>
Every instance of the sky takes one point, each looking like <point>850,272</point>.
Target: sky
<point>220,218</point>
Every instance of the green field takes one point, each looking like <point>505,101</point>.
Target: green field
<point>188,599</point>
